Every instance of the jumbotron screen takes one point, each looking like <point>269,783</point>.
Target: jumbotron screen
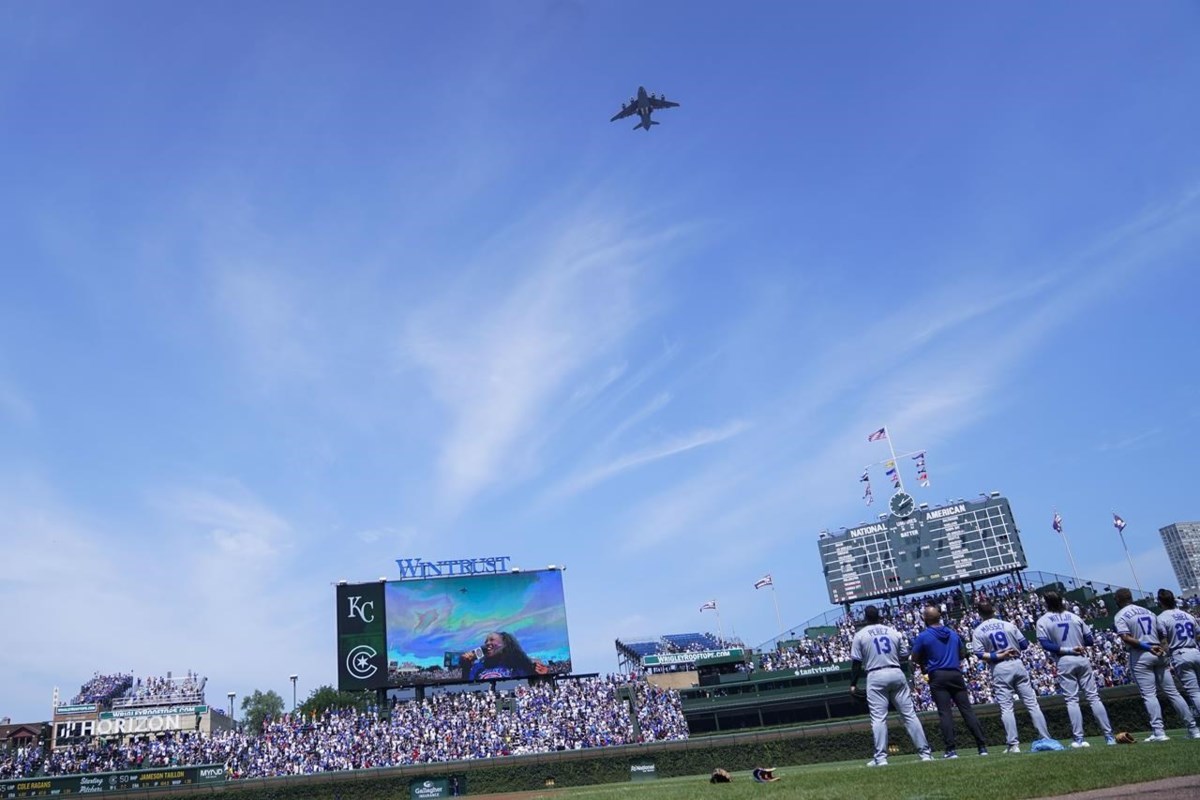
<point>452,630</point>
<point>929,549</point>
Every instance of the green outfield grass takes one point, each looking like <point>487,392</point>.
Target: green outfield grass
<point>970,776</point>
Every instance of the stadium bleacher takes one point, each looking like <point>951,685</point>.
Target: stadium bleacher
<point>631,650</point>
<point>1019,602</point>
<point>102,688</point>
<point>555,715</point>
<point>548,716</point>
<point>122,690</point>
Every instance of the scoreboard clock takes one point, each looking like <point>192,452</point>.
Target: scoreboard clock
<point>921,548</point>
<point>902,505</point>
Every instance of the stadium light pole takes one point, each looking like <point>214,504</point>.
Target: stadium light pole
<point>293,679</point>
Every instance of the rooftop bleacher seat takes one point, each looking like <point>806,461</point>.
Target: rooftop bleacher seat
<point>644,648</point>
<point>690,641</point>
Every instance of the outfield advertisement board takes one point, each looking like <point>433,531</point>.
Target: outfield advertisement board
<point>154,711</point>
<point>456,629</point>
<point>706,656</point>
<point>429,788</point>
<point>112,781</point>
<point>644,771</point>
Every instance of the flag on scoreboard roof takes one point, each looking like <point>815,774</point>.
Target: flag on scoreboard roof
<point>922,473</point>
<point>765,580</point>
<point>893,473</point>
<point>870,498</point>
<point>1118,523</point>
<point>865,477</point>
<point>1057,523</point>
<point>711,605</point>
<point>877,435</point>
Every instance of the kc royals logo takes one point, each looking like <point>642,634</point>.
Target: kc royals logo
<point>360,609</point>
<point>358,662</point>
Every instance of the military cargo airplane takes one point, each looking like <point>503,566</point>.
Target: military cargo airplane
<point>643,105</point>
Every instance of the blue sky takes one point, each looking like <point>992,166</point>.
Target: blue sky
<point>290,291</point>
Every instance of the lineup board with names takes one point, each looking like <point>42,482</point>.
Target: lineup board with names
<point>934,547</point>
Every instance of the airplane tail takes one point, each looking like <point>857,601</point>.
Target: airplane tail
<point>646,124</point>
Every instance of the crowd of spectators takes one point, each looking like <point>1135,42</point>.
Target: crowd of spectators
<point>548,716</point>
<point>1014,602</point>
<point>164,691</point>
<point>698,643</point>
<point>102,688</point>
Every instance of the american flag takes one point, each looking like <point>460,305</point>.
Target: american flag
<point>765,580</point>
<point>1057,523</point>
<point>877,435</point>
<point>1118,523</point>
<point>711,605</point>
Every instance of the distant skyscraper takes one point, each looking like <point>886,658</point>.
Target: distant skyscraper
<point>1182,540</point>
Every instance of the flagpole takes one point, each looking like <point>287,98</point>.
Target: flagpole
<point>1136,582</point>
<point>720,633</point>
<point>895,464</point>
<point>778,619</point>
<point>1074,569</point>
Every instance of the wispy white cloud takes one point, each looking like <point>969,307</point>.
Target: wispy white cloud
<point>1129,441</point>
<point>594,387</point>
<point>667,449</point>
<point>498,361</point>
<point>235,522</point>
<point>194,575</point>
<point>656,404</point>
<point>974,363</point>
<point>399,538</point>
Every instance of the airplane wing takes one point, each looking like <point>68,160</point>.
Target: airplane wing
<point>626,111</point>
<point>661,102</point>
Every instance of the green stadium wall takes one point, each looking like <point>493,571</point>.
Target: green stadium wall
<point>840,740</point>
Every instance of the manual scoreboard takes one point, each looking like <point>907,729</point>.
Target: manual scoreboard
<point>926,549</point>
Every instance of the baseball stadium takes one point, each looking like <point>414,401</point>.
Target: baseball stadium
<point>420,713</point>
<point>501,399</point>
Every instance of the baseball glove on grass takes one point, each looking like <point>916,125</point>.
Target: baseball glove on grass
<point>1125,737</point>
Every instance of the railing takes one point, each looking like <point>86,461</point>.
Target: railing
<point>1030,579</point>
<point>195,698</point>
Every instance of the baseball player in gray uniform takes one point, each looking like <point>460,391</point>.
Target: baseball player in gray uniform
<point>1138,629</point>
<point>1066,637</point>
<point>1177,630</point>
<point>878,649</point>
<point>999,644</point>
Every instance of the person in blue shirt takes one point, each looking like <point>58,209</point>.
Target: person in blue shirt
<point>940,651</point>
<point>500,657</point>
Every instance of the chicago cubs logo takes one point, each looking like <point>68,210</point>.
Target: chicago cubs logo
<point>358,662</point>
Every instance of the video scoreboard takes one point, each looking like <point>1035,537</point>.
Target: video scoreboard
<point>457,629</point>
<point>928,549</point>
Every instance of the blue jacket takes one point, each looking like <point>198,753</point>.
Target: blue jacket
<point>938,648</point>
